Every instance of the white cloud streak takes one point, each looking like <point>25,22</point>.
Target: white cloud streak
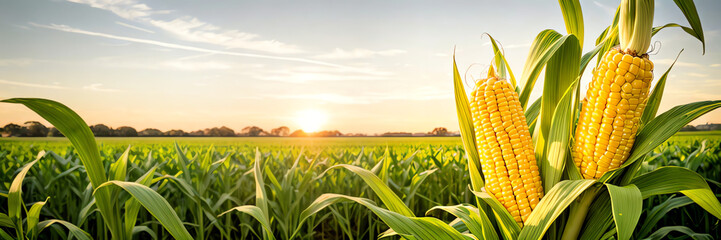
<point>32,85</point>
<point>69,29</point>
<point>98,87</point>
<point>190,28</point>
<point>359,53</point>
<point>133,27</point>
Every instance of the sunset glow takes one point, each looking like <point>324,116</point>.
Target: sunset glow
<point>311,120</point>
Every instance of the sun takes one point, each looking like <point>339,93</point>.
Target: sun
<point>311,120</point>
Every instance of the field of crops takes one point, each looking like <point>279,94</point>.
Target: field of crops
<point>424,172</point>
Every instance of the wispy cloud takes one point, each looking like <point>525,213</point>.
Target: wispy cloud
<point>693,74</point>
<point>189,28</point>
<point>415,94</point>
<point>128,9</point>
<point>32,85</point>
<point>668,61</point>
<point>715,65</point>
<point>609,10</point>
<point>193,30</point>
<point>310,74</point>
<point>196,65</point>
<point>359,53</point>
<point>99,88</point>
<point>66,28</point>
<point>133,27</point>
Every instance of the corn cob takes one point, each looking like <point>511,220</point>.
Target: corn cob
<point>504,144</point>
<point>616,96</point>
<point>611,111</point>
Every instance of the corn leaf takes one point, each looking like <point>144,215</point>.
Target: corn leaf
<point>556,150</point>
<point>5,221</point>
<point>532,113</point>
<point>659,130</point>
<point>654,100</point>
<point>561,71</point>
<point>626,203</point>
<point>673,179</point>
<point>599,218</point>
<point>34,216</point>
<point>132,206</point>
<point>15,201</point>
<point>74,230</point>
<point>477,222</point>
<point>5,236</point>
<point>658,212</point>
<point>468,136</point>
<point>689,11</point>
<point>501,64</point>
<point>417,227</point>
<point>543,47</point>
<point>119,167</point>
<point>662,232</point>
<point>573,17</point>
<point>551,206</point>
<point>387,196</point>
<point>508,226</point>
<point>156,205</point>
<point>77,131</point>
<point>256,213</point>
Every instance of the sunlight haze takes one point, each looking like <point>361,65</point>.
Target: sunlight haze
<point>352,66</point>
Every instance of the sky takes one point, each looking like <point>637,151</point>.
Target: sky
<point>355,66</point>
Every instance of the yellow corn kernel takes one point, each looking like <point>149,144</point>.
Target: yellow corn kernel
<point>611,112</point>
<point>505,146</point>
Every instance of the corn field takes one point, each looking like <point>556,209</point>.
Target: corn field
<point>607,164</point>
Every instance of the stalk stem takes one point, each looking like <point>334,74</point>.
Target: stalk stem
<point>579,209</point>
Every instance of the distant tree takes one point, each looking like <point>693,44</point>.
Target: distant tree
<point>325,133</point>
<point>175,133</point>
<point>197,133</point>
<point>251,131</point>
<point>36,129</point>
<point>14,130</point>
<point>439,131</point>
<point>150,132</point>
<point>54,132</point>
<point>226,132</point>
<point>126,131</point>
<point>100,130</point>
<point>280,131</point>
<point>688,128</point>
<point>299,133</point>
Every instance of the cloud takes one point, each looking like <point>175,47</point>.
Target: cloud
<point>312,73</point>
<point>32,85</point>
<point>193,30</point>
<point>133,27</point>
<point>190,28</point>
<point>359,53</point>
<point>127,9</point>
<point>66,28</point>
<point>669,61</point>
<point>715,65</point>
<point>693,74</point>
<point>415,94</point>
<point>15,62</point>
<point>196,66</point>
<point>99,88</point>
<point>609,10</point>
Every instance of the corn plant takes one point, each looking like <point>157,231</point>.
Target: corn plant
<point>106,188</point>
<point>586,200</point>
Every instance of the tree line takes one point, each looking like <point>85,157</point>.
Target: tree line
<point>37,129</point>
